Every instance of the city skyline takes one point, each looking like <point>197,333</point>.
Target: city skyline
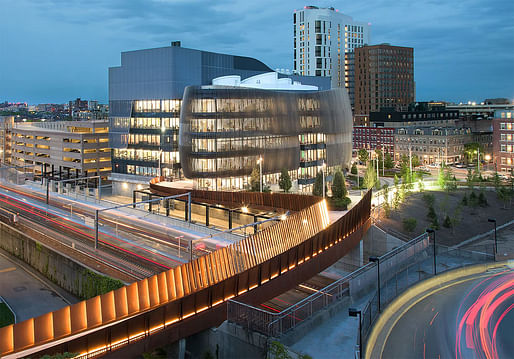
<point>57,50</point>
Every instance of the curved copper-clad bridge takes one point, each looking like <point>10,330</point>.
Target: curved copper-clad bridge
<point>188,299</point>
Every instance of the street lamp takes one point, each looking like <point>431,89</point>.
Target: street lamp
<point>383,161</point>
<point>259,161</point>
<point>478,159</point>
<point>430,230</point>
<point>323,172</point>
<point>492,220</point>
<point>377,260</point>
<point>354,312</point>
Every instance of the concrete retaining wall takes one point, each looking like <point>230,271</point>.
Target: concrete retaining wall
<point>77,279</point>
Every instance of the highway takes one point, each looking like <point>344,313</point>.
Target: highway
<point>472,318</point>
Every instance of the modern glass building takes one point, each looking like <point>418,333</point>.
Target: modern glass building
<point>145,98</point>
<point>225,130</point>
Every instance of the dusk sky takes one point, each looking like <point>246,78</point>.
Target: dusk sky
<point>57,50</point>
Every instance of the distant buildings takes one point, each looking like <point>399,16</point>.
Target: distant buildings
<point>432,145</point>
<point>372,138</point>
<point>6,125</point>
<point>321,38</point>
<point>62,149</point>
<point>503,141</point>
<point>419,114</point>
<point>384,78</point>
<point>83,110</point>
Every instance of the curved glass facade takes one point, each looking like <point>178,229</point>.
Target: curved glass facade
<point>224,130</point>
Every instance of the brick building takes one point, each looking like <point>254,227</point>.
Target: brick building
<point>384,78</point>
<point>371,138</point>
<point>503,141</point>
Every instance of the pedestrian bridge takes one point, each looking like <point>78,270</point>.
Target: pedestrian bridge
<point>192,297</point>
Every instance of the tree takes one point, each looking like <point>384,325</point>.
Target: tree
<point>370,177</point>
<point>396,180</point>
<point>363,155</point>
<point>255,180</point>
<point>432,217</point>
<point>388,161</point>
<point>378,152</point>
<point>415,161</point>
<point>504,194</point>
<point>339,186</point>
<point>470,179</point>
<point>446,180</point>
<point>482,201</point>
<point>471,151</point>
<point>284,182</point>
<point>429,199</point>
<point>409,224</point>
<point>353,170</point>
<point>447,222</point>
<point>317,189</point>
<point>496,180</point>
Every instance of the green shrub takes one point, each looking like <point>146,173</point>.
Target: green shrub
<point>447,222</point>
<point>465,200</point>
<point>482,201</point>
<point>284,182</point>
<point>353,170</point>
<point>339,190</point>
<point>409,224</point>
<point>6,316</point>
<point>429,199</point>
<point>339,204</point>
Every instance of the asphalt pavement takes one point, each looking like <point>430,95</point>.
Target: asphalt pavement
<point>469,318</point>
<point>26,293</point>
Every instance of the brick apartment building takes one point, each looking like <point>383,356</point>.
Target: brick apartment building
<point>371,138</point>
<point>503,141</point>
<point>384,78</point>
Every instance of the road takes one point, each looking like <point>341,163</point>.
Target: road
<point>27,294</point>
<point>472,318</point>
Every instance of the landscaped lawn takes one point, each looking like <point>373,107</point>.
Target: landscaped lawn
<point>6,316</point>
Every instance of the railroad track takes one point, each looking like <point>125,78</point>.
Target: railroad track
<point>112,256</point>
<point>129,230</point>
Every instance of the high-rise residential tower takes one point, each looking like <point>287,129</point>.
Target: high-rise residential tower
<point>322,37</point>
<point>384,78</point>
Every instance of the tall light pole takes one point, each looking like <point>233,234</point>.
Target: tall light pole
<point>378,180</point>
<point>259,161</point>
<point>354,312</point>
<point>477,151</point>
<point>323,172</point>
<point>492,220</point>
<point>160,169</point>
<point>383,161</point>
<point>429,231</point>
<point>410,158</point>
<point>377,260</point>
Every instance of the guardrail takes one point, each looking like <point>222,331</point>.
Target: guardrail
<point>288,201</point>
<point>164,301</point>
<point>409,264</point>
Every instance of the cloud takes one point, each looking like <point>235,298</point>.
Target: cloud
<point>59,49</point>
